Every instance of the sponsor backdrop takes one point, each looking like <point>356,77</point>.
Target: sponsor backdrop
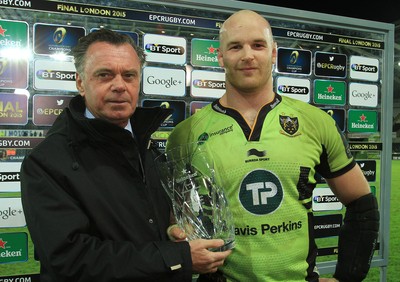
<point>337,69</point>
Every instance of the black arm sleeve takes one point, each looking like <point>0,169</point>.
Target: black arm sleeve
<point>357,239</point>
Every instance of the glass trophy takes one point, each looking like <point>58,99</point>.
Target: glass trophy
<point>199,204</point>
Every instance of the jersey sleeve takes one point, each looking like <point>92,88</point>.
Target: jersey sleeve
<point>336,157</point>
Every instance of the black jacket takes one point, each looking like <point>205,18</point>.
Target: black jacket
<point>91,214</point>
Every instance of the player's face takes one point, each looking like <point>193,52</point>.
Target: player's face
<point>247,53</point>
<point>111,81</point>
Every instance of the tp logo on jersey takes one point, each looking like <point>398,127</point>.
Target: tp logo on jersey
<point>261,192</point>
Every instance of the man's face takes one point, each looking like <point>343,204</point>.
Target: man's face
<point>247,53</point>
<point>111,81</point>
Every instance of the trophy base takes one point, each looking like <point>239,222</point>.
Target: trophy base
<point>227,246</point>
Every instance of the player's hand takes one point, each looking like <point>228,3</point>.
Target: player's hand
<point>175,233</point>
<point>203,260</point>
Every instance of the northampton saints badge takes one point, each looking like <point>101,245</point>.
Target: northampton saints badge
<point>290,125</point>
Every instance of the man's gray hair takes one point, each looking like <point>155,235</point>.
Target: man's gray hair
<point>103,35</point>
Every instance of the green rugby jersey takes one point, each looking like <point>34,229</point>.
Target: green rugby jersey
<point>267,173</point>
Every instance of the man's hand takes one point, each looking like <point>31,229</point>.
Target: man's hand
<point>175,233</point>
<point>203,260</point>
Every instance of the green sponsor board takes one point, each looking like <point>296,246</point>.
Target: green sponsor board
<point>13,34</point>
<point>13,247</point>
<point>328,92</point>
<point>204,52</point>
<point>362,121</point>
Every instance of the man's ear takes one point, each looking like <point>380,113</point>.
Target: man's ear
<point>220,59</point>
<point>78,83</point>
<point>274,53</point>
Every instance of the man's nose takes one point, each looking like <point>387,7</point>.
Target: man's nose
<point>247,53</point>
<point>118,84</point>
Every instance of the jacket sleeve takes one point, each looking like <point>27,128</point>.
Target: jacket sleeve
<point>69,249</point>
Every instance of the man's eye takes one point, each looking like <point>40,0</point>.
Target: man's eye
<point>259,45</point>
<point>103,75</point>
<point>130,76</point>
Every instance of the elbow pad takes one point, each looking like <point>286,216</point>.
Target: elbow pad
<point>357,239</point>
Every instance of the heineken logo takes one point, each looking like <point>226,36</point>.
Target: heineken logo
<point>13,247</point>
<point>205,52</point>
<point>330,92</point>
<point>362,121</point>
<point>13,34</point>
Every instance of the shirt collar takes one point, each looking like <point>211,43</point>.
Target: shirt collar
<point>128,127</point>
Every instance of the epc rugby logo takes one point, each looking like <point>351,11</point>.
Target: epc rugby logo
<point>261,192</point>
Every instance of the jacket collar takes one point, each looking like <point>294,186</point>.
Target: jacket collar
<point>144,122</point>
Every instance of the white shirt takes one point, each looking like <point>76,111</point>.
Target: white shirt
<point>128,127</point>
